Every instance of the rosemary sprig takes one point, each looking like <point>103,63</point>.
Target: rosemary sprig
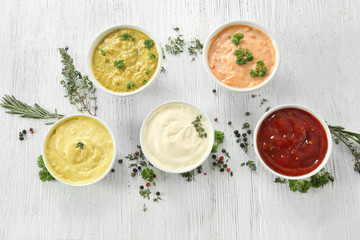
<point>15,106</point>
<point>349,139</point>
<point>79,89</point>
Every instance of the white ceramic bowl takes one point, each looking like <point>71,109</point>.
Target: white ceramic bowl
<point>323,123</point>
<point>201,161</point>
<point>95,42</point>
<point>209,40</point>
<point>112,161</point>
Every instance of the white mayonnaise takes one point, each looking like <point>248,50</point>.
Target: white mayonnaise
<point>170,140</point>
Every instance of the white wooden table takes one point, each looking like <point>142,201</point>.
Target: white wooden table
<point>319,43</point>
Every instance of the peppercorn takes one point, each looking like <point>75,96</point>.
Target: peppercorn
<point>238,135</point>
<point>154,176</point>
<point>242,145</point>
<point>205,173</point>
<point>21,134</point>
<point>148,184</point>
<point>139,167</point>
<point>137,153</point>
<point>249,131</point>
<point>244,134</point>
<point>141,187</point>
<point>231,173</point>
<point>134,170</point>
<point>223,150</point>
<point>221,158</point>
<point>228,169</point>
<point>112,170</point>
<point>199,171</point>
<point>222,169</point>
<point>213,156</point>
<point>31,130</point>
<point>214,90</point>
<point>214,163</point>
<point>229,122</point>
<point>120,161</point>
<point>133,174</point>
<point>225,166</point>
<point>21,138</point>
<point>236,132</point>
<point>245,139</point>
<point>215,119</point>
<point>247,114</point>
<point>157,193</point>
<point>24,131</point>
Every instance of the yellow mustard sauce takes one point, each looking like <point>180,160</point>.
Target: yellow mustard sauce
<point>70,162</point>
<point>138,66</point>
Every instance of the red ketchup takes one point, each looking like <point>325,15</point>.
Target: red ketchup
<point>292,142</point>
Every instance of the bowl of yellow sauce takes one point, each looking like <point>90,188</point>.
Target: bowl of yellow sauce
<point>79,150</point>
<point>124,60</point>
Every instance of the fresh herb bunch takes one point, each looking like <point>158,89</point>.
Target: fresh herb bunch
<point>349,139</point>
<point>243,56</point>
<point>79,89</point>
<point>148,43</point>
<point>218,139</point>
<point>260,69</point>
<point>250,164</point>
<point>236,38</point>
<point>318,180</point>
<point>119,63</point>
<point>195,48</point>
<point>126,36</point>
<point>199,127</point>
<point>44,174</point>
<point>15,106</point>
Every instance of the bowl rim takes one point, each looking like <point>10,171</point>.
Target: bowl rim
<point>60,121</point>
<point>100,36</point>
<point>315,115</point>
<point>183,170</point>
<point>247,23</point>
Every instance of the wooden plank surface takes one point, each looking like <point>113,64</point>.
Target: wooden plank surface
<point>319,48</point>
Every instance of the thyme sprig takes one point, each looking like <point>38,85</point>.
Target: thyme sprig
<point>15,106</point>
<point>79,89</point>
<point>199,127</point>
<point>250,164</point>
<point>349,139</point>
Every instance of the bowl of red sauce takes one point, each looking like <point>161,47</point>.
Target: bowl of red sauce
<point>292,141</point>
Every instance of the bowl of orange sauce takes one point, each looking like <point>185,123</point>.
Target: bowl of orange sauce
<point>241,56</point>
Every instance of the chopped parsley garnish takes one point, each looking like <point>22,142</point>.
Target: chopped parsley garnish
<point>218,139</point>
<point>236,38</point>
<point>260,69</point>
<point>119,63</point>
<point>44,174</point>
<point>148,174</point>
<point>152,55</point>
<point>103,52</point>
<point>147,72</point>
<point>130,85</point>
<point>148,43</point>
<point>198,126</point>
<point>243,55</point>
<point>144,81</point>
<point>80,145</point>
<point>126,36</point>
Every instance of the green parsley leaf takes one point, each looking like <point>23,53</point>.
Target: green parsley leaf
<point>103,52</point>
<point>130,85</point>
<point>147,72</point>
<point>119,63</point>
<point>148,43</point>
<point>144,81</point>
<point>152,55</point>
<point>236,38</point>
<point>44,174</point>
<point>218,139</point>
<point>243,55</point>
<point>259,70</point>
<point>126,36</point>
<point>148,174</point>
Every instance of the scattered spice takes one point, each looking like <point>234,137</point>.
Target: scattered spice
<point>214,90</point>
